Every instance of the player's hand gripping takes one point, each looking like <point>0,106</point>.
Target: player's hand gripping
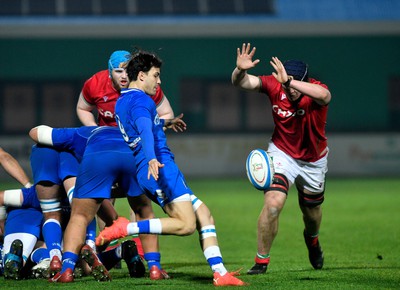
<point>154,165</point>
<point>176,124</point>
<point>280,72</point>
<point>244,60</point>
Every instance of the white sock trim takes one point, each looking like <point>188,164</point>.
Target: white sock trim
<point>212,251</point>
<point>207,231</point>
<point>155,226</point>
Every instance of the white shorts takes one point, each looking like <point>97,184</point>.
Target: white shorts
<point>28,241</point>
<point>306,175</point>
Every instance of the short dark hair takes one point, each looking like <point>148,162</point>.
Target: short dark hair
<point>141,61</point>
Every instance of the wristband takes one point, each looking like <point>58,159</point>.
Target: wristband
<point>287,83</point>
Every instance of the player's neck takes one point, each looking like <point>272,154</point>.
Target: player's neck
<point>135,85</point>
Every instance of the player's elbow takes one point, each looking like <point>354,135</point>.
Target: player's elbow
<point>235,81</point>
<point>326,98</point>
<point>4,156</point>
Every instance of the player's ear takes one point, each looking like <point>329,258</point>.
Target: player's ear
<point>140,76</point>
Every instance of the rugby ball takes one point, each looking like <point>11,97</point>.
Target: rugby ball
<point>260,169</point>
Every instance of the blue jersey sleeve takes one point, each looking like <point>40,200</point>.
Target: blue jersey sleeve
<point>144,126</point>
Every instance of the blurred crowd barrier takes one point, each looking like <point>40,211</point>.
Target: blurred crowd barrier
<point>220,156</point>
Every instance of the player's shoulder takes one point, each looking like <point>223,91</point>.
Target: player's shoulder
<point>317,82</point>
<point>99,77</point>
<point>158,96</point>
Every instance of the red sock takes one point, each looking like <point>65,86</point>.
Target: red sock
<point>261,260</point>
<point>139,246</point>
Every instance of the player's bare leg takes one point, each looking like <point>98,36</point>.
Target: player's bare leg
<point>49,196</point>
<point>268,222</point>
<point>312,217</point>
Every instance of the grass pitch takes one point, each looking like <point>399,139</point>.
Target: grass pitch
<point>360,237</point>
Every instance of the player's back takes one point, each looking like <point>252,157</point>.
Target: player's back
<point>72,139</point>
<point>106,139</point>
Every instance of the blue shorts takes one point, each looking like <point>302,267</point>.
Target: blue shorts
<point>30,198</point>
<point>48,164</point>
<point>24,220</point>
<point>171,182</point>
<point>69,165</point>
<point>44,164</point>
<point>101,169</point>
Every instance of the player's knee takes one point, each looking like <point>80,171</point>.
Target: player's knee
<point>310,200</point>
<point>50,205</point>
<point>188,229</point>
<point>4,156</point>
<point>274,211</point>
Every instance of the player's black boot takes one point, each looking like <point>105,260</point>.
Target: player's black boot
<point>133,260</point>
<point>258,269</point>
<point>13,261</point>
<point>315,253</point>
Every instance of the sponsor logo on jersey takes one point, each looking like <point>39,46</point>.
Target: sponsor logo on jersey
<point>157,120</point>
<point>107,114</point>
<point>134,143</point>
<point>287,113</point>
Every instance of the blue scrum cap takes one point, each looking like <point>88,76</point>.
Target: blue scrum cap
<point>297,69</point>
<point>116,58</point>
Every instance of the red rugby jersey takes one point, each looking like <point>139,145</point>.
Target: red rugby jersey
<point>299,127</point>
<point>100,92</point>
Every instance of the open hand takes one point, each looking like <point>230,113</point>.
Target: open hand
<point>176,124</point>
<point>280,71</point>
<point>154,165</point>
<point>244,60</point>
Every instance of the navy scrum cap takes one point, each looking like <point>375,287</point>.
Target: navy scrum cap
<point>297,69</point>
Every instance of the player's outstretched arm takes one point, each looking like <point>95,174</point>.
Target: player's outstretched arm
<point>244,62</point>
<point>13,168</point>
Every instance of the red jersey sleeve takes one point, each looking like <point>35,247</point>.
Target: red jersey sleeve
<point>86,90</point>
<point>158,97</point>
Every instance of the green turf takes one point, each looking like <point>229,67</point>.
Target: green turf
<point>360,236</point>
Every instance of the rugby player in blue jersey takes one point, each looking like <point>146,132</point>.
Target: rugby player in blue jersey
<point>93,185</point>
<point>157,172</point>
<point>24,223</point>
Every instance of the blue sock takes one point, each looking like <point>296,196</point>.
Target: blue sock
<point>52,235</point>
<point>69,260</point>
<point>152,259</point>
<point>91,233</point>
<point>144,226</point>
<point>214,261</point>
<point>40,254</point>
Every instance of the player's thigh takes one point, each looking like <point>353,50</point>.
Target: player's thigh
<point>181,210</point>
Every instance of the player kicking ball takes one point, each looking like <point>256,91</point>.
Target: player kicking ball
<point>157,172</point>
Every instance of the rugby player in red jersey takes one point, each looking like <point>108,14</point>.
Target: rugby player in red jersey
<point>298,147</point>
